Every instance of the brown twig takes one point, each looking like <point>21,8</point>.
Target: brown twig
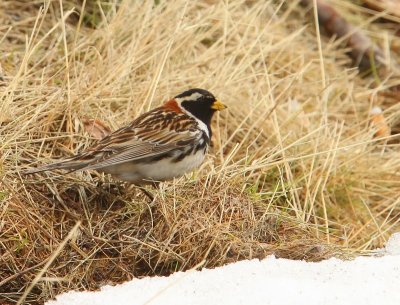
<point>365,54</point>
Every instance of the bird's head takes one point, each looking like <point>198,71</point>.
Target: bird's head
<point>200,103</point>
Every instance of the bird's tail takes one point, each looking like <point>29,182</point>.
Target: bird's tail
<point>70,164</point>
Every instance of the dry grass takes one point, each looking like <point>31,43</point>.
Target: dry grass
<point>294,171</point>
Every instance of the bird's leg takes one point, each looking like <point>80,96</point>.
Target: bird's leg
<point>147,193</point>
<point>155,184</point>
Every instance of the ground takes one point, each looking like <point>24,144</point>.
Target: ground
<point>299,168</point>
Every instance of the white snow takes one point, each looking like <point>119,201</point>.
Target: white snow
<point>393,244</point>
<point>376,110</point>
<point>364,280</point>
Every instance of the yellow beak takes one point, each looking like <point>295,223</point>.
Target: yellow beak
<point>217,105</point>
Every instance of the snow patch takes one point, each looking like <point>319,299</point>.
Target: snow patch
<point>364,280</point>
<point>393,244</point>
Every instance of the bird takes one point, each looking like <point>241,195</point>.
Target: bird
<point>159,145</point>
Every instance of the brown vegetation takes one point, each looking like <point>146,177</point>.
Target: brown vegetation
<point>295,169</point>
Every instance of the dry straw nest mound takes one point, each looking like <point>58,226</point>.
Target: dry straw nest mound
<point>294,169</point>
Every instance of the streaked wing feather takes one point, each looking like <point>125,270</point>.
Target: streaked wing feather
<point>126,156</point>
<point>144,145</point>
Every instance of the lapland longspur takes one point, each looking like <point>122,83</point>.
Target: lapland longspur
<point>159,145</point>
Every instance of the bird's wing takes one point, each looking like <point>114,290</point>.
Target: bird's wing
<point>154,134</point>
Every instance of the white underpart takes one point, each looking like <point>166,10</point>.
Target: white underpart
<point>164,169</point>
<point>201,124</point>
